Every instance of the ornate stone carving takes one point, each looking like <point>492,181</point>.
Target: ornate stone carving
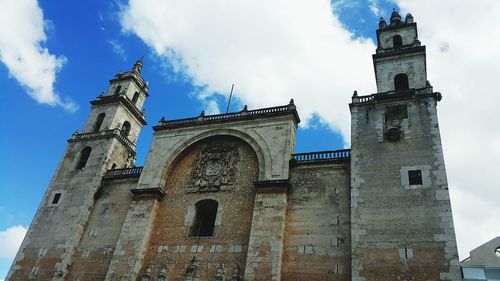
<point>214,168</point>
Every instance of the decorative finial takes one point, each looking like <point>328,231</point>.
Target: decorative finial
<point>355,94</point>
<point>163,273</point>
<point>219,273</point>
<point>291,101</point>
<point>245,108</point>
<point>395,17</point>
<point>162,119</point>
<point>409,18</point>
<point>191,270</point>
<point>236,273</point>
<point>382,23</point>
<point>202,113</point>
<point>138,66</point>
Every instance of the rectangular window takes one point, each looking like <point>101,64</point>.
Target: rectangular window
<point>415,177</point>
<point>396,112</point>
<point>56,198</point>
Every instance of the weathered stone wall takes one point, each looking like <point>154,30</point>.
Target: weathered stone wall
<point>317,233</point>
<point>170,244</point>
<point>400,232</point>
<point>115,117</point>
<point>47,250</point>
<point>128,87</point>
<point>412,65</point>
<point>94,252</point>
<point>408,35</point>
<point>271,138</point>
<point>265,250</point>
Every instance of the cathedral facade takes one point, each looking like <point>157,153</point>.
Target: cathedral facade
<point>223,197</point>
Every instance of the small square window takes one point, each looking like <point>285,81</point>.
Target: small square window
<point>56,198</point>
<point>415,177</point>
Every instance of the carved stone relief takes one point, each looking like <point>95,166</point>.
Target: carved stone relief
<point>214,168</point>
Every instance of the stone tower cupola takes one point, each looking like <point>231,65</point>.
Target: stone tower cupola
<point>121,106</point>
<point>399,61</point>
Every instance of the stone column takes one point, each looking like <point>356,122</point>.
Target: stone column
<point>265,249</point>
<point>134,237</point>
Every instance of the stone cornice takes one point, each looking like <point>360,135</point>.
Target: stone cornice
<point>124,100</point>
<point>115,133</point>
<point>137,78</point>
<point>425,92</point>
<point>273,185</point>
<point>404,50</point>
<point>154,192</point>
<point>230,117</point>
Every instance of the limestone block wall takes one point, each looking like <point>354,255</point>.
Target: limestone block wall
<point>400,231</point>
<point>172,244</point>
<point>408,35</point>
<point>271,138</point>
<point>130,248</point>
<point>412,65</point>
<point>265,250</point>
<point>97,245</point>
<point>317,232</point>
<point>114,118</point>
<point>47,250</point>
<point>129,87</point>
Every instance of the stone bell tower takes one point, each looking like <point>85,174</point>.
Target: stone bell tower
<point>107,142</point>
<point>402,227</point>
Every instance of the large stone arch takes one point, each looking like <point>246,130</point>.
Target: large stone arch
<point>256,142</point>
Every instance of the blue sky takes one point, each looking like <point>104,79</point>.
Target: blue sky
<point>190,69</point>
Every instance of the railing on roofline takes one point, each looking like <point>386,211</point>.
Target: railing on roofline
<point>322,155</point>
<point>263,111</point>
<point>126,172</point>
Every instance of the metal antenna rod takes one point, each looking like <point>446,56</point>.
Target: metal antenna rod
<point>230,96</point>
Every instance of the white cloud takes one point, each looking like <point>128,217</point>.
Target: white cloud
<point>375,9</point>
<point>21,36</point>
<point>271,50</point>
<point>463,63</point>
<point>276,50</point>
<point>11,239</point>
<point>118,49</point>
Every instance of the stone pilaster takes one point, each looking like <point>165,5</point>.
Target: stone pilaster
<point>133,240</point>
<point>265,249</point>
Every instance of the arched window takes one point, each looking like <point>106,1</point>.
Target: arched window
<point>126,128</point>
<point>135,98</point>
<point>84,157</point>
<point>397,41</point>
<point>401,82</point>
<point>117,90</point>
<point>98,122</point>
<point>204,221</point>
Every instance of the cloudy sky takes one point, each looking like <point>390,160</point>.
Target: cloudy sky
<point>55,58</point>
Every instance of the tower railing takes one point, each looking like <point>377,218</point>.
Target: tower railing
<point>117,133</point>
<point>123,173</point>
<point>341,154</point>
<point>428,90</point>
